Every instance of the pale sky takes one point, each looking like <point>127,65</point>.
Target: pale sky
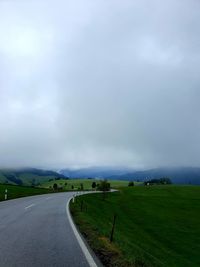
<point>99,83</point>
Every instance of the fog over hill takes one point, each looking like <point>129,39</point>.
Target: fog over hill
<point>184,175</point>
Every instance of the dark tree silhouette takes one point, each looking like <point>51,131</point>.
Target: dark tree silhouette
<point>55,187</point>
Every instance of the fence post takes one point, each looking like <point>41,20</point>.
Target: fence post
<point>81,205</point>
<point>113,228</point>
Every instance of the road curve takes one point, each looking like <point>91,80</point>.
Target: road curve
<point>35,231</point>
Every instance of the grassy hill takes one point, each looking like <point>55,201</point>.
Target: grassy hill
<point>76,183</point>
<point>15,191</point>
<point>28,176</point>
<point>155,226</point>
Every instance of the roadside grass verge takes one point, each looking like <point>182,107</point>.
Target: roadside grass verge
<point>155,226</point>
<point>15,191</point>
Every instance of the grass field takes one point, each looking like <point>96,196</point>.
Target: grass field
<point>155,226</point>
<point>87,183</point>
<point>15,191</point>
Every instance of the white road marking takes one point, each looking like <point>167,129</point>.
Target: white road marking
<point>48,198</point>
<point>85,250</point>
<point>28,207</point>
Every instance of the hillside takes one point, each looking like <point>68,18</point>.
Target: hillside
<point>185,175</point>
<point>156,226</point>
<point>27,176</point>
<point>94,172</point>
<point>75,184</point>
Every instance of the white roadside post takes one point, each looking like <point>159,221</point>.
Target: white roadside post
<point>6,194</point>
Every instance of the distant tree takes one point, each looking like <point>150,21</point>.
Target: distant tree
<point>104,186</point>
<point>81,187</point>
<point>33,182</point>
<point>65,184</point>
<point>72,187</point>
<point>55,187</point>
<point>94,185</point>
<point>165,180</point>
<point>131,183</point>
<point>161,181</point>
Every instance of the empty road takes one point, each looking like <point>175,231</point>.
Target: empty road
<point>35,231</point>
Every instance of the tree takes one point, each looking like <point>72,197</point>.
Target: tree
<point>94,185</point>
<point>33,182</point>
<point>81,186</point>
<point>104,186</point>
<point>55,187</point>
<point>72,187</point>
<point>131,183</point>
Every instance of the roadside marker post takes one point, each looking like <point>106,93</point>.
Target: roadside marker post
<point>6,194</point>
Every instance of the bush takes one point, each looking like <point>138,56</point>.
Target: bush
<point>131,183</point>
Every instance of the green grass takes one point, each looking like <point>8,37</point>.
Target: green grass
<point>15,191</point>
<point>155,226</point>
<point>87,183</point>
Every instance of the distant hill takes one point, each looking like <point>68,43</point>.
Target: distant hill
<point>94,172</point>
<point>27,176</point>
<point>187,175</point>
<point>32,176</point>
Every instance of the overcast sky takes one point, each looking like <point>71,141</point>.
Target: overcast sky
<point>99,83</point>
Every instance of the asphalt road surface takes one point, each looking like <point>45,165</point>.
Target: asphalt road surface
<point>35,231</point>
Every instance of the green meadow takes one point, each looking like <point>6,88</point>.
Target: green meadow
<point>155,226</point>
<point>15,191</point>
<point>67,184</point>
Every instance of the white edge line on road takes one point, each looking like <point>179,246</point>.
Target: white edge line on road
<point>85,250</point>
<point>29,206</point>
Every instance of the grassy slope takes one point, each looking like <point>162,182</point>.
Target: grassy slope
<point>26,176</point>
<point>15,191</point>
<point>87,183</point>
<point>156,226</point>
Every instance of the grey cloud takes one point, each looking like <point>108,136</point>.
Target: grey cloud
<point>99,83</point>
